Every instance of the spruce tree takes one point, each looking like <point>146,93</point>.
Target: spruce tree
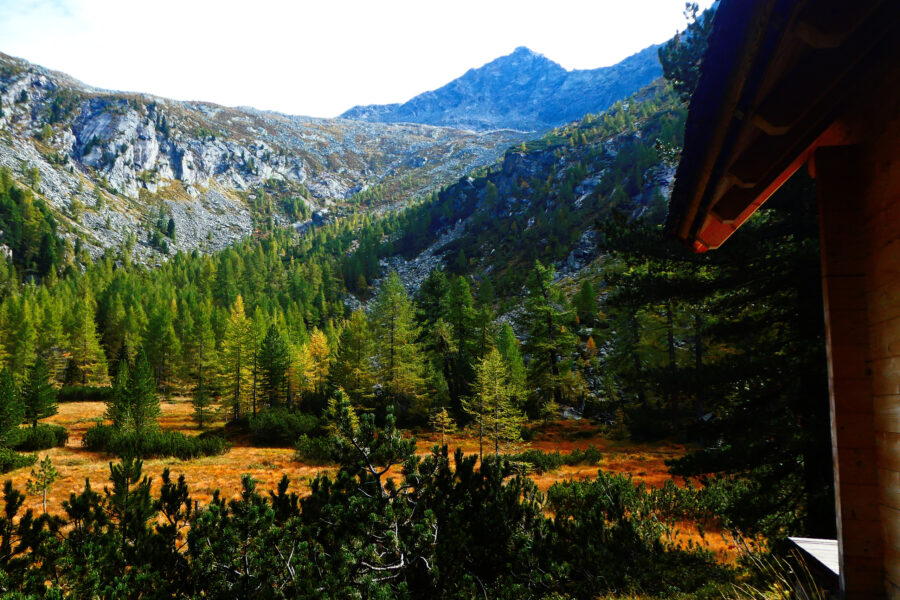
<point>118,407</point>
<point>274,362</point>
<point>38,394</point>
<point>201,402</point>
<point>585,303</point>
<point>140,390</point>
<point>550,343</point>
<point>509,349</point>
<point>12,409</point>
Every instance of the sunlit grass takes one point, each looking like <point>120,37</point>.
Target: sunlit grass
<point>645,462</point>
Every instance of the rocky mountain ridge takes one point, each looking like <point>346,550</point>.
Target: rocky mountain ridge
<point>523,91</point>
<point>107,161</point>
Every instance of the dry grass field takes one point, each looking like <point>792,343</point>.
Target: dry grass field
<point>645,462</point>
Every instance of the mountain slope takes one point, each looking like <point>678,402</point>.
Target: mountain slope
<point>109,162</point>
<point>543,201</point>
<point>523,90</point>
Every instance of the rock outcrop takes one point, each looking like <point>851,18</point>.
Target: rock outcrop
<point>123,156</point>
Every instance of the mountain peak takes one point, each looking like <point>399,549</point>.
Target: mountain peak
<point>522,90</point>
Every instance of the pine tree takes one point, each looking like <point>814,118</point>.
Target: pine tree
<point>237,349</point>
<point>39,395</point>
<point>397,353</point>
<point>42,480</point>
<point>12,409</point>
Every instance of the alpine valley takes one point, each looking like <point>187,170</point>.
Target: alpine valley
<point>442,348</point>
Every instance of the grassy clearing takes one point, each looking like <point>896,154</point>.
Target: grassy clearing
<point>645,462</point>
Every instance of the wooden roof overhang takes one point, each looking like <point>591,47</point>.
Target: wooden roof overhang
<point>777,79</point>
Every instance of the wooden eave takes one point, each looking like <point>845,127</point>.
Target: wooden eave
<point>777,79</point>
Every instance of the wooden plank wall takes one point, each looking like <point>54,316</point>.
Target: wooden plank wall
<point>881,170</point>
<point>844,254</point>
<point>859,196</point>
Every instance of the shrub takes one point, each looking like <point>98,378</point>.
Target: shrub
<point>541,461</point>
<point>11,460</point>
<point>84,393</point>
<point>279,427</point>
<point>316,450</point>
<point>106,438</point>
<point>41,437</point>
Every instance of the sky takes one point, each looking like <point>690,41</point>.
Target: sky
<point>317,58</point>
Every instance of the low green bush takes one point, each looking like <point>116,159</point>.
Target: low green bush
<point>10,460</point>
<point>541,461</point>
<point>106,438</point>
<point>41,437</point>
<point>316,450</point>
<point>279,427</point>
<point>84,393</point>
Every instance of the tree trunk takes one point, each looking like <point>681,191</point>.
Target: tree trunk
<point>700,390</point>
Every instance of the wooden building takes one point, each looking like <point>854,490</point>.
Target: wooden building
<point>815,84</point>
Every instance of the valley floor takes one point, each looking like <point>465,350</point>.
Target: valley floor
<point>645,462</point>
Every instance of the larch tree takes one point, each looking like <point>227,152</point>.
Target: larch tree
<point>84,344</point>
<point>237,347</point>
<point>398,357</point>
<point>441,422</point>
<point>353,370</point>
<point>42,480</point>
<point>50,336</point>
<point>319,360</point>
<point>494,414</point>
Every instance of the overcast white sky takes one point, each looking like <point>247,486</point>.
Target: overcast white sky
<point>317,58</point>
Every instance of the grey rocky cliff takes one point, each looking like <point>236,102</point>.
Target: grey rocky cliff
<point>203,162</point>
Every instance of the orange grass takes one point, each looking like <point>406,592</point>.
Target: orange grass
<point>645,462</point>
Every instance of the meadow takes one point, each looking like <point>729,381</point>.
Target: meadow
<point>644,462</point>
